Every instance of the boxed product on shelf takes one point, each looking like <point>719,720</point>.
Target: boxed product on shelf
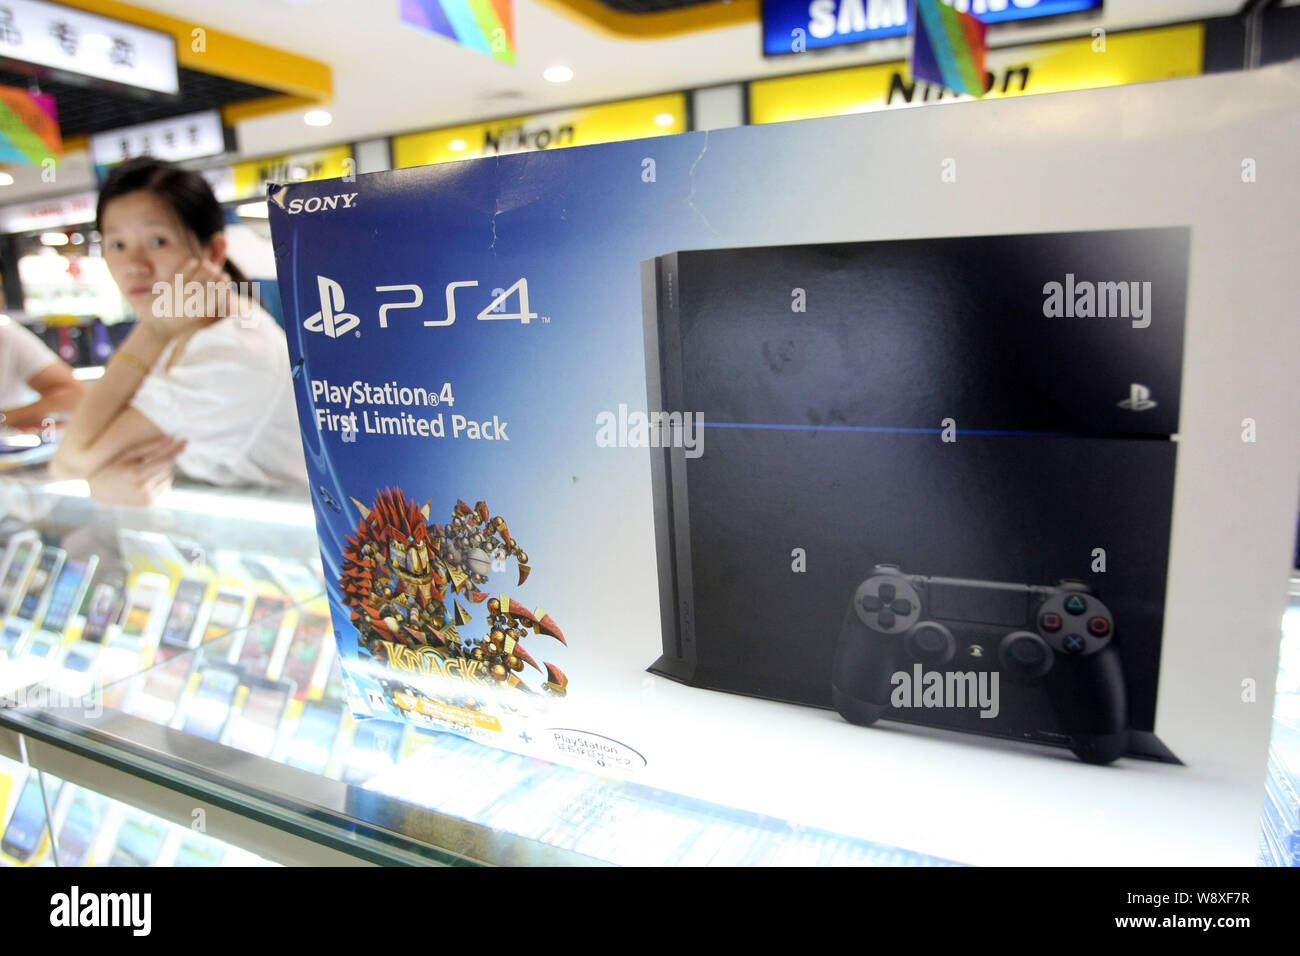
<point>900,446</point>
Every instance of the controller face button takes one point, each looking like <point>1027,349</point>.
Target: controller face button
<point>1075,604</point>
<point>1099,626</point>
<point>902,606</point>
<point>886,618</point>
<point>1074,644</point>
<point>1051,621</point>
<point>870,603</point>
<point>886,592</point>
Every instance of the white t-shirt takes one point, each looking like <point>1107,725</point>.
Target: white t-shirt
<point>231,395</point>
<point>23,356</point>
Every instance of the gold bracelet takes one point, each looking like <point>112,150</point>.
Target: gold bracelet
<point>132,360</point>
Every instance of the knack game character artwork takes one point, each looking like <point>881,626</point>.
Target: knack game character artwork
<point>409,584</point>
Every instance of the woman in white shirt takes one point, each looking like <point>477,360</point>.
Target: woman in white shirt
<point>27,365</point>
<point>206,392</point>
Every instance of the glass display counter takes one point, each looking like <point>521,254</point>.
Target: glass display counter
<point>168,694</point>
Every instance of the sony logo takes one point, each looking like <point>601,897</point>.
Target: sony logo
<point>317,203</point>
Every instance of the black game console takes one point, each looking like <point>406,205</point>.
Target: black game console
<point>927,402</point>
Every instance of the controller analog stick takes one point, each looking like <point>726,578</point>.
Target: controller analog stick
<point>1025,654</point>
<point>931,643</point>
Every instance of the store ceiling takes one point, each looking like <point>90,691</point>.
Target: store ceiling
<point>392,78</point>
<point>84,109</point>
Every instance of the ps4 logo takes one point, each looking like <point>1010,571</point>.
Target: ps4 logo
<point>1139,399</point>
<point>318,203</point>
<point>331,319</point>
<point>334,321</point>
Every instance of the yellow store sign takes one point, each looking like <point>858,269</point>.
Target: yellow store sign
<point>252,176</point>
<point>1076,64</point>
<point>602,123</point>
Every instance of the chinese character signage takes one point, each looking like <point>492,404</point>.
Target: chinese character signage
<point>60,38</point>
<point>180,138</point>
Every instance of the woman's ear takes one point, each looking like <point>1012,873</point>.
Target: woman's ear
<point>217,249</point>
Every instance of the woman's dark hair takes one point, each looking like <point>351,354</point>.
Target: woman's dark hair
<point>186,192</point>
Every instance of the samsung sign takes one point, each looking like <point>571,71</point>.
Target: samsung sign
<point>792,26</point>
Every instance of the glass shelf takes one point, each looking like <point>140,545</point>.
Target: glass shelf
<point>198,673</point>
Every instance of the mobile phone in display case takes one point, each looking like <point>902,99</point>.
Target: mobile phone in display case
<point>269,625</point>
<point>198,850</point>
<point>254,725</point>
<point>155,694</point>
<point>316,735</point>
<point>139,840</point>
<point>19,557</point>
<point>68,593</point>
<point>205,710</point>
<point>102,607</point>
<point>145,610</point>
<point>180,627</point>
<point>31,593</point>
<point>25,837</point>
<point>78,817</point>
<point>39,590</point>
<point>307,660</point>
<point>227,612</point>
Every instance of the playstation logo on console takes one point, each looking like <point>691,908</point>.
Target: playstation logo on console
<point>331,319</point>
<point>1139,399</point>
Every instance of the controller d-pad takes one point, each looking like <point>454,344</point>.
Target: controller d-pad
<point>1074,644</point>
<point>887,592</point>
<point>871,603</point>
<point>901,606</point>
<point>886,618</point>
<point>1076,604</point>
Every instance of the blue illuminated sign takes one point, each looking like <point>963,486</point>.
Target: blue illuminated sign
<point>792,26</point>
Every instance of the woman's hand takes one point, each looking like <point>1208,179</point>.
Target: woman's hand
<point>139,475</point>
<point>171,319</point>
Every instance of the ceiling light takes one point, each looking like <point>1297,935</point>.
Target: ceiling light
<point>6,179</point>
<point>54,238</point>
<point>253,210</point>
<point>77,238</point>
<point>664,119</point>
<point>458,144</point>
<point>558,74</point>
<point>317,118</point>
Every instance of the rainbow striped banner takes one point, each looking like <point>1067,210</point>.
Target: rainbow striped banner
<point>487,26</point>
<point>29,127</point>
<point>948,47</point>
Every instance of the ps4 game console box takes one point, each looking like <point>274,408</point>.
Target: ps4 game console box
<point>637,458</point>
